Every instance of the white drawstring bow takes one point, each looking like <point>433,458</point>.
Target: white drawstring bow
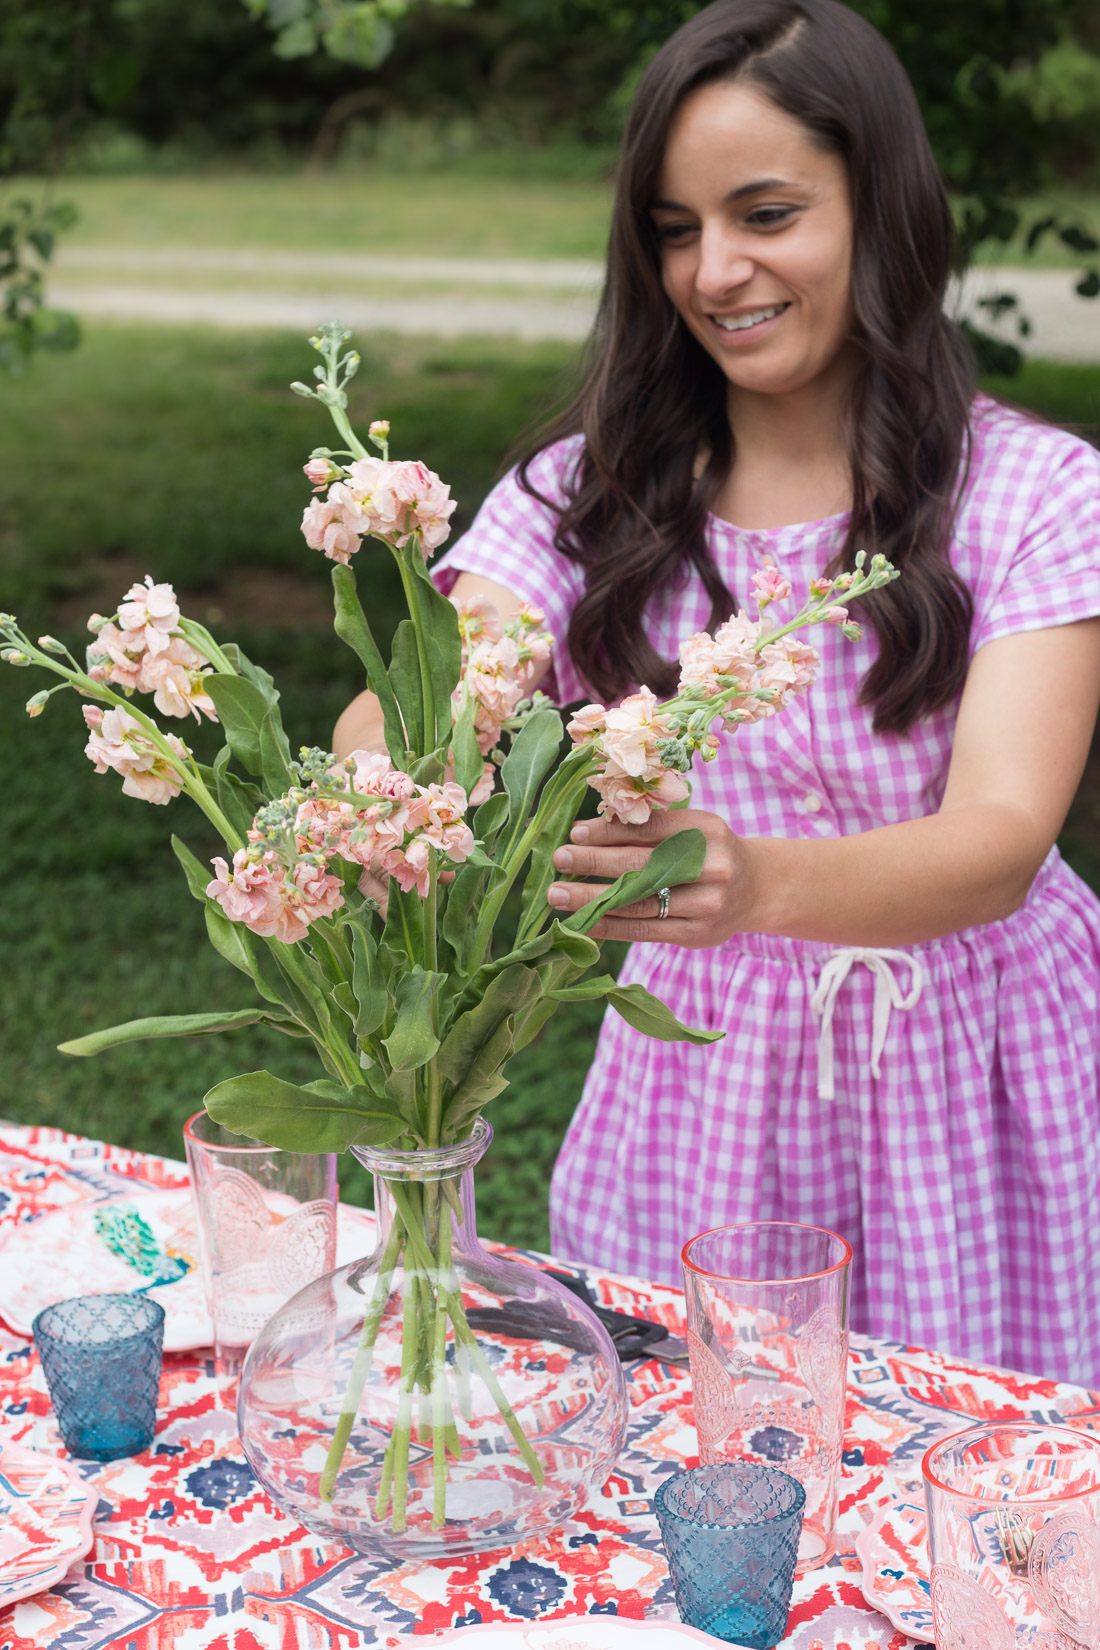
<point>888,995</point>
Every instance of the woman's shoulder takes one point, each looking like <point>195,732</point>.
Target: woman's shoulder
<point>1015,457</point>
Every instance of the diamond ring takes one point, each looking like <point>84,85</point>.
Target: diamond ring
<point>663,897</point>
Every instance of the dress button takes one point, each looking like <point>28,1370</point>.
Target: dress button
<point>812,802</point>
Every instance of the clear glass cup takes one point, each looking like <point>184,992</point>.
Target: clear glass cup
<point>731,1534</point>
<point>101,1357</point>
<point>1014,1538</point>
<point>266,1225</point>
<point>767,1312</point>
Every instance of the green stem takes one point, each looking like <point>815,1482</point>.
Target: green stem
<point>442,1420</point>
<point>411,586</point>
<point>364,1357</point>
<point>431,963</point>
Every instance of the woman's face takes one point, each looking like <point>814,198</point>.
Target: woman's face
<point>755,230</point>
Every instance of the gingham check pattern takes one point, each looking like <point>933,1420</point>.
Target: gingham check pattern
<point>967,1176</point>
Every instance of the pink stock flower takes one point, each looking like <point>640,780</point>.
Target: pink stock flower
<point>324,526</point>
<point>697,664</point>
<point>633,800</point>
<point>630,736</point>
<point>117,741</point>
<point>396,499</point>
<point>478,619</point>
<point>735,648</point>
<point>151,611</point>
<point>175,680</point>
<point>836,615</point>
<point>258,893</point>
<point>587,724</point>
<point>410,867</point>
<point>485,786</point>
<point>770,585</point>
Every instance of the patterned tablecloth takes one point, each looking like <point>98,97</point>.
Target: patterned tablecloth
<point>190,1554</point>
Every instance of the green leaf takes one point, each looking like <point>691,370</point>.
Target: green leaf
<point>638,1008</point>
<point>321,1117</point>
<point>197,874</point>
<point>249,715</point>
<point>440,621</point>
<point>368,982</point>
<point>239,801</point>
<point>413,1040</point>
<point>527,763</point>
<point>405,681</point>
<point>462,1058</point>
<point>462,899</point>
<point>173,1025</point>
<point>352,627</point>
<point>492,814</point>
<point>677,859</point>
<point>468,760</point>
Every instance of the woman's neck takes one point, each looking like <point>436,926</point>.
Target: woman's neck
<point>790,456</point>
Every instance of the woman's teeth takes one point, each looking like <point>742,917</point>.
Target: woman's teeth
<point>740,322</point>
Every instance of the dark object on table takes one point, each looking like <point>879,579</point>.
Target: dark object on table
<point>632,1337</point>
<point>101,1356</point>
<point>731,1533</point>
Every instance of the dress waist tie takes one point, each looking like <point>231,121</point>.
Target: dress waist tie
<point>888,995</point>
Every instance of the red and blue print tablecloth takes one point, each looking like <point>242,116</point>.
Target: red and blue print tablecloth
<point>190,1554</point>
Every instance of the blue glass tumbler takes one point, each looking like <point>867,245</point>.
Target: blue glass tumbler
<point>101,1356</point>
<point>731,1535</point>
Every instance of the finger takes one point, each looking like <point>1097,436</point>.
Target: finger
<point>573,896</point>
<point>612,832</point>
<point>602,862</point>
<point>640,931</point>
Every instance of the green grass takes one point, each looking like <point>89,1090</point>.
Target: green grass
<point>442,214</point>
<point>458,211</point>
<point>178,452</point>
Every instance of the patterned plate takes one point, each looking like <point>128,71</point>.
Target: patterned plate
<point>146,1241</point>
<point>577,1633</point>
<point>893,1551</point>
<point>46,1512</point>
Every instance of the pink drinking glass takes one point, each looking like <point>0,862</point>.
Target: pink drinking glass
<point>1014,1538</point>
<point>767,1312</point>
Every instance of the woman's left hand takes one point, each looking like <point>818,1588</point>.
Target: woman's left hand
<point>700,914</point>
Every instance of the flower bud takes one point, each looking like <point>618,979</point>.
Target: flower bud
<point>351,364</point>
<point>302,389</point>
<point>861,557</point>
<point>12,657</point>
<point>852,630</point>
<point>36,704</point>
<point>844,582</point>
<point>98,673</point>
<point>50,644</point>
<point>96,621</point>
<point>379,431</point>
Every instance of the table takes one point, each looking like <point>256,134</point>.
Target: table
<point>190,1554</point>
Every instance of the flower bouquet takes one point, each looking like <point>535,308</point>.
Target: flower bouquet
<point>414,1003</point>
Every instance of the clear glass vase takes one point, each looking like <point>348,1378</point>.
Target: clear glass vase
<point>433,1399</point>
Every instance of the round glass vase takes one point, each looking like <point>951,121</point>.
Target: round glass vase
<point>433,1399</point>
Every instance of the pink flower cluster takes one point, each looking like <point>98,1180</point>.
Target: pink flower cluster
<point>633,779</point>
<point>390,828</point>
<point>391,500</point>
<point>145,653</point>
<point>498,664</point>
<point>118,741</point>
<point>271,902</point>
<point>737,654</point>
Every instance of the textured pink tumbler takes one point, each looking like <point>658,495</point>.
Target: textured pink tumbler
<point>767,1310</point>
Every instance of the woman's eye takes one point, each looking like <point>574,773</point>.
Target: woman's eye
<point>767,217</point>
<point>674,231</point>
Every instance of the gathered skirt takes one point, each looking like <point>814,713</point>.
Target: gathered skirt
<point>966,1175</point>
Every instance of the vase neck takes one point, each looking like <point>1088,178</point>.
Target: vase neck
<point>424,1187</point>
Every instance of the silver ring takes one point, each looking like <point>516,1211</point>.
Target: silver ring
<point>663,897</point>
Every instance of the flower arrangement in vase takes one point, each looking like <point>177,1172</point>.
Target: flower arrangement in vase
<point>397,1380</point>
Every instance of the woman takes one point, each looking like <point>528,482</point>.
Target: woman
<point>905,971</point>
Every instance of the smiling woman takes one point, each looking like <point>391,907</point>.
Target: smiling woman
<point>906,974</point>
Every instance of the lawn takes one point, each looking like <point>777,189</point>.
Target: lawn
<point>178,452</point>
<point>443,213</point>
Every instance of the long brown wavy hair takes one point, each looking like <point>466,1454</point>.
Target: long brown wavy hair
<point>653,399</point>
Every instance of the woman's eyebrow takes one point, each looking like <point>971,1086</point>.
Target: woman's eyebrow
<point>753,188</point>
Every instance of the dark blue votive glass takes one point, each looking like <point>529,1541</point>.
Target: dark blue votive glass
<point>731,1534</point>
<point>101,1356</point>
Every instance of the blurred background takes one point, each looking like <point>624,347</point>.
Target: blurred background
<point>187,189</point>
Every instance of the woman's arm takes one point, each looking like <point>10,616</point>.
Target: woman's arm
<point>1022,737</point>
<point>360,728</point>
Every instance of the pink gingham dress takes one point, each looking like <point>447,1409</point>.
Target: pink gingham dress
<point>938,1105</point>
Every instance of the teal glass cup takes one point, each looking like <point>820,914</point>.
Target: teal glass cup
<point>731,1533</point>
<point>101,1356</point>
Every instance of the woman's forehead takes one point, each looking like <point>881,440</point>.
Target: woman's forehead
<point>731,136</point>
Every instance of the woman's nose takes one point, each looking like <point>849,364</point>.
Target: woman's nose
<point>724,263</point>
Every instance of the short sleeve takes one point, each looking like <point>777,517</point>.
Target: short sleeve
<point>511,541</point>
<point>1047,565</point>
